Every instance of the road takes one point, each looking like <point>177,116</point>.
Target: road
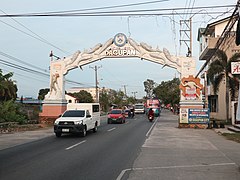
<point>102,155</point>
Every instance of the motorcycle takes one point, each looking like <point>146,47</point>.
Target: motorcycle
<point>150,118</point>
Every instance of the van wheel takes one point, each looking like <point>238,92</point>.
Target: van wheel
<point>95,128</point>
<point>84,132</point>
<point>58,134</point>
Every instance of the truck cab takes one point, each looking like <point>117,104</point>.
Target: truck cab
<point>78,119</point>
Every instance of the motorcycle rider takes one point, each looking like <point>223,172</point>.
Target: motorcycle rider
<point>150,113</point>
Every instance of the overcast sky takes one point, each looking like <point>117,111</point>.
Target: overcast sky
<point>22,38</point>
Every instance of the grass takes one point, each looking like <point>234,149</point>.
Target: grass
<point>232,136</point>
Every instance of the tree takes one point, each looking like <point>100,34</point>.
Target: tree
<point>119,98</point>
<point>8,88</point>
<point>104,100</point>
<point>220,70</point>
<point>42,93</point>
<point>149,86</point>
<point>168,91</point>
<point>83,96</point>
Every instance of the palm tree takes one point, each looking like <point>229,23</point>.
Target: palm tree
<point>8,88</point>
<point>220,70</point>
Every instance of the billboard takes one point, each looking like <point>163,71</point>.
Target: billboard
<point>198,116</point>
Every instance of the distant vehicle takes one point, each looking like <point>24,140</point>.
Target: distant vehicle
<point>116,116</point>
<point>139,108</point>
<point>78,119</point>
<point>155,105</point>
<point>127,112</point>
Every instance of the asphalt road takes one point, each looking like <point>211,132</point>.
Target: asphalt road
<point>102,155</point>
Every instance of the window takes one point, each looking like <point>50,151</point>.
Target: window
<point>74,113</point>
<point>213,103</point>
<point>95,108</point>
<point>87,113</point>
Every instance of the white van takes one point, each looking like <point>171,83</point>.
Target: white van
<point>139,108</point>
<point>78,119</point>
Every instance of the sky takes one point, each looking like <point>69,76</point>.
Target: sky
<point>31,39</point>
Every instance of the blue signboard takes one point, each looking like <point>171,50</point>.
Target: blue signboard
<point>198,116</point>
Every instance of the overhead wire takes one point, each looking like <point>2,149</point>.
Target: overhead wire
<point>117,13</point>
<point>38,36</point>
<point>232,20</point>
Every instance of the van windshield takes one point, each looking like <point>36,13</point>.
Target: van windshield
<point>139,107</point>
<point>74,113</point>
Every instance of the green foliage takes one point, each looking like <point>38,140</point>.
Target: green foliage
<point>83,96</point>
<point>10,112</point>
<point>104,100</point>
<point>168,91</point>
<point>8,88</point>
<point>219,71</point>
<point>220,68</point>
<point>107,98</point>
<point>149,86</point>
<point>42,93</point>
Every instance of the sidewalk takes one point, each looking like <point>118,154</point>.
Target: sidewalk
<point>17,138</point>
<point>185,154</point>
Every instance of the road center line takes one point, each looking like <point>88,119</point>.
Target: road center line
<point>111,129</point>
<point>75,145</point>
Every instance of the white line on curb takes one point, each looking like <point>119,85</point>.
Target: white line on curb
<point>149,131</point>
<point>75,145</point>
<point>170,167</point>
<point>111,129</point>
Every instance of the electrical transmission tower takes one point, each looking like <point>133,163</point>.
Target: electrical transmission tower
<point>186,35</point>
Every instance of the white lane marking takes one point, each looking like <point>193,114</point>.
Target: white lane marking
<point>149,131</point>
<point>127,122</point>
<point>111,129</point>
<point>70,147</point>
<point>170,167</point>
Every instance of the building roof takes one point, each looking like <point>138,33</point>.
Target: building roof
<point>210,28</point>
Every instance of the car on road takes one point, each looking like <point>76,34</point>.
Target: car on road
<point>75,122</point>
<point>116,116</point>
<point>139,108</point>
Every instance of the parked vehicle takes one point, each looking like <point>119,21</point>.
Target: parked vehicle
<point>78,119</point>
<point>116,116</point>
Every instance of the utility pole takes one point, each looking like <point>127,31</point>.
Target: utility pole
<point>125,90</point>
<point>95,68</point>
<point>134,94</point>
<point>186,32</point>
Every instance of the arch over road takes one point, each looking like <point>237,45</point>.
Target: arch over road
<point>117,47</point>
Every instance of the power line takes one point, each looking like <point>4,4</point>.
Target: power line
<point>223,37</point>
<point>39,37</point>
<point>22,68</point>
<point>20,61</point>
<point>105,7</point>
<point>122,13</point>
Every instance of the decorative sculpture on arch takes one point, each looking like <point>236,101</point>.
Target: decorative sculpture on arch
<point>119,46</point>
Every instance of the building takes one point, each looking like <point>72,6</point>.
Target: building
<point>71,99</point>
<point>92,91</point>
<point>208,38</point>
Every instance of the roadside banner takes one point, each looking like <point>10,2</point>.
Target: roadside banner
<point>200,116</point>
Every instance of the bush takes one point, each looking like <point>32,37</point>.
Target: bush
<point>11,112</point>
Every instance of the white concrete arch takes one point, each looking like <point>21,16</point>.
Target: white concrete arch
<point>118,46</point>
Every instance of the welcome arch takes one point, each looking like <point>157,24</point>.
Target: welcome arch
<point>117,47</point>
